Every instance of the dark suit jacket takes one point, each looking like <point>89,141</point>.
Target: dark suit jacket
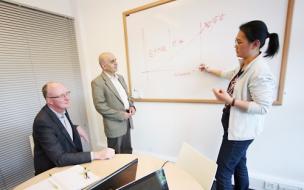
<point>53,145</point>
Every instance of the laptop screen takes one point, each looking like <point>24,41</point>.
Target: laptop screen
<point>120,177</point>
<point>154,181</point>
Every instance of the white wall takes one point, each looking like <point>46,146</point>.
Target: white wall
<point>160,128</point>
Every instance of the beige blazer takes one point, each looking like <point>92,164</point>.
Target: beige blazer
<point>109,104</point>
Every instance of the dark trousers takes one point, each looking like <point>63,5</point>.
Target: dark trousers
<point>232,161</point>
<point>121,144</point>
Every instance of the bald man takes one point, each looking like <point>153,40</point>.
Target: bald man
<point>111,100</point>
<point>57,140</point>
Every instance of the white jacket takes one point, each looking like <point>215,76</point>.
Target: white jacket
<point>257,85</point>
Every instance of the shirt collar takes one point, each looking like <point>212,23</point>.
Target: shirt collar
<point>115,76</point>
<point>59,115</point>
<point>251,63</point>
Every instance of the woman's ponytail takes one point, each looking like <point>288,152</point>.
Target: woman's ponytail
<point>273,45</point>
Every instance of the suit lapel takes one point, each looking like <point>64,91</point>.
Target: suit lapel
<point>60,126</point>
<point>111,86</point>
<point>76,137</point>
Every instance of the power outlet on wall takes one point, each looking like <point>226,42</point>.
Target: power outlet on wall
<point>270,186</point>
<point>287,187</point>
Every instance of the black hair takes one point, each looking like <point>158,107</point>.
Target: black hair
<point>257,30</point>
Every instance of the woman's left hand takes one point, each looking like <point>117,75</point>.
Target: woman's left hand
<point>222,95</point>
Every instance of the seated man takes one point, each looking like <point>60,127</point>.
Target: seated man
<point>57,140</point>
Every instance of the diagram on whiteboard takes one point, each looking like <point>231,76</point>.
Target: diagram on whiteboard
<point>167,43</point>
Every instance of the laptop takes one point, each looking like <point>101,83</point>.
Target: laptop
<point>154,181</point>
<point>120,177</point>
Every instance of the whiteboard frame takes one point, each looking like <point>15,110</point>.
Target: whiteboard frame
<point>280,93</point>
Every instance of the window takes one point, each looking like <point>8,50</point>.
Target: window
<point>35,47</point>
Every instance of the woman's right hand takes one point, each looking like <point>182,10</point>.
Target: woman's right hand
<point>203,67</point>
<point>206,68</point>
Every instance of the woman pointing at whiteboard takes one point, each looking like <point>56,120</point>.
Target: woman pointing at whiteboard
<point>247,99</point>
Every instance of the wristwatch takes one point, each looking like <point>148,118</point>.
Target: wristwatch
<point>233,101</point>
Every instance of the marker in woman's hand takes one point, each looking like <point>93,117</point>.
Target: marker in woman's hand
<point>203,67</point>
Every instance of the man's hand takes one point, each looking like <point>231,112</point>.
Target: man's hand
<point>127,115</point>
<point>82,133</point>
<point>104,154</point>
<point>132,110</point>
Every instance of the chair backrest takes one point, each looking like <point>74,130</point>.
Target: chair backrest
<point>32,144</point>
<point>196,164</point>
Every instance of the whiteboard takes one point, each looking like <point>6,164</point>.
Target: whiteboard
<point>166,41</point>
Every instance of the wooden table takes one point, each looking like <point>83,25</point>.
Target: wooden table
<point>177,178</point>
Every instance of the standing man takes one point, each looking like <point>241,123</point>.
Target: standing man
<point>111,100</point>
<point>57,140</point>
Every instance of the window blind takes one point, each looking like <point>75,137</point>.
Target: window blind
<point>35,47</point>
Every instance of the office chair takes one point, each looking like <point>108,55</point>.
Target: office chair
<point>196,164</point>
<point>32,144</point>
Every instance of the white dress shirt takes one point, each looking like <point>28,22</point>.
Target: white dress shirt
<point>120,89</point>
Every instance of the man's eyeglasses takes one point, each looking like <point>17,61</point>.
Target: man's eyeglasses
<point>67,94</point>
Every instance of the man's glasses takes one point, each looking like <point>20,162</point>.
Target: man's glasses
<point>67,94</point>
